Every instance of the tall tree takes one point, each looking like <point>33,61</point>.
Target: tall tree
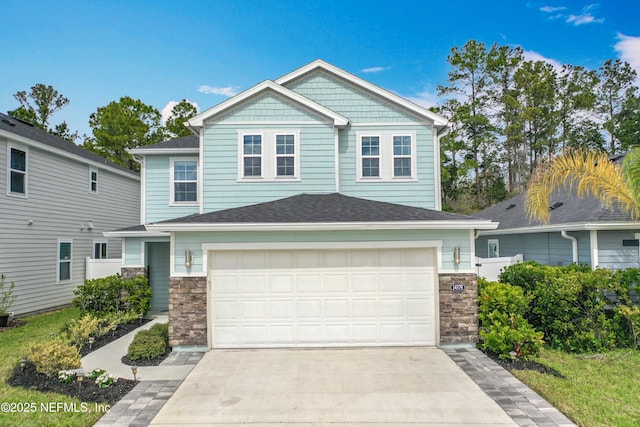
<point>615,90</point>
<point>589,173</point>
<point>62,131</point>
<point>180,113</point>
<point>576,98</point>
<point>121,125</point>
<point>469,83</point>
<point>39,104</point>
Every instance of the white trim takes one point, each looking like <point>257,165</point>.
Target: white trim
<point>437,177</point>
<point>296,155</point>
<point>195,274</point>
<point>472,247</point>
<point>277,226</point>
<point>91,181</point>
<point>459,271</point>
<point>386,156</point>
<point>378,244</point>
<point>577,226</point>
<point>25,150</point>
<point>172,257</point>
<point>320,64</point>
<point>198,121</point>
<point>143,189</point>
<point>41,146</point>
<point>593,243</point>
<point>241,156</point>
<point>143,150</point>
<point>59,261</point>
<point>259,123</point>
<point>172,201</point>
<point>336,158</point>
<point>201,170</point>
<point>390,124</point>
<point>121,234</point>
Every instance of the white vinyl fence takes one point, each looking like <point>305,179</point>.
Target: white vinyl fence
<point>97,268</point>
<point>489,268</point>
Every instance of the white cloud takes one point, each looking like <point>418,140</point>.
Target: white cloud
<point>628,49</point>
<point>375,69</point>
<point>426,99</point>
<point>552,9</point>
<point>166,111</point>
<point>586,17</point>
<point>211,90</point>
<point>530,55</point>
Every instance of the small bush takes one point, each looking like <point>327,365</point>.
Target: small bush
<point>503,326</point>
<point>76,332</point>
<point>51,357</point>
<point>113,294</point>
<point>96,373</point>
<point>148,344</point>
<point>160,329</point>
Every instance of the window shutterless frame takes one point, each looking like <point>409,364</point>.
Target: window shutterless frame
<point>17,167</point>
<point>93,181</point>
<point>183,181</point>
<point>64,261</point>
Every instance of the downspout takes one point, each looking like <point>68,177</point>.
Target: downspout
<point>143,190</point>
<point>574,245</point>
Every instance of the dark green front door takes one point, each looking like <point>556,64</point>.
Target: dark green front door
<point>158,265</point>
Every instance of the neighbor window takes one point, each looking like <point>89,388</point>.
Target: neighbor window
<point>285,155</point>
<point>402,155</point>
<point>64,260</point>
<point>184,181</point>
<point>252,155</point>
<point>99,250</point>
<point>93,181</point>
<point>370,156</point>
<point>493,248</point>
<point>17,171</point>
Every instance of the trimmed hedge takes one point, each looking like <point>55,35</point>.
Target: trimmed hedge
<point>150,343</point>
<point>113,294</point>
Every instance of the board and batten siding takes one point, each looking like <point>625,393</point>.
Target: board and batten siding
<point>193,242</point>
<point>58,205</point>
<point>158,190</point>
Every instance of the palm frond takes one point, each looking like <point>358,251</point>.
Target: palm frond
<point>588,172</point>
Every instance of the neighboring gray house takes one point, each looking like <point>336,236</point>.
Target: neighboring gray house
<point>580,231</point>
<point>57,200</point>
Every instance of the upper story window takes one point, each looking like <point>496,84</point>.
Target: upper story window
<point>184,181</point>
<point>386,156</point>
<point>252,155</point>
<point>93,181</point>
<point>17,178</point>
<point>269,155</point>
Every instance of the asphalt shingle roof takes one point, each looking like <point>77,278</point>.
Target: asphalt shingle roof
<point>317,208</point>
<point>190,141</point>
<point>18,127</point>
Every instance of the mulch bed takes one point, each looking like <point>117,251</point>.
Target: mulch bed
<point>87,391</point>
<point>14,323</point>
<point>522,365</point>
<point>122,330</point>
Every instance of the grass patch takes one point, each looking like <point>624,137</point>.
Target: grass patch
<point>598,390</point>
<point>12,345</point>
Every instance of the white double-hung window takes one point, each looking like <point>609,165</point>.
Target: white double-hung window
<point>17,172</point>
<point>269,155</point>
<point>184,181</point>
<point>386,156</point>
<point>64,260</point>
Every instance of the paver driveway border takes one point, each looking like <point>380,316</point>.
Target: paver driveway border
<point>382,386</point>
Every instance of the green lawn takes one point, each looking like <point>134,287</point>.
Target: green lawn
<point>599,390</point>
<point>12,343</point>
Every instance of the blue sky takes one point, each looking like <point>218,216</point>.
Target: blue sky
<point>160,51</point>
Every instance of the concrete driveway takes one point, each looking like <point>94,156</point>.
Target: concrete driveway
<point>391,386</point>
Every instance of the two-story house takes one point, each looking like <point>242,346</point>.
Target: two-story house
<point>306,212</point>
<point>57,200</point>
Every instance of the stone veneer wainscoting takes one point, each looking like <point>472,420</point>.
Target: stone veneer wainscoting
<point>188,311</point>
<point>458,310</point>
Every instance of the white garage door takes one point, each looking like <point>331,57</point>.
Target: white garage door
<point>322,298</point>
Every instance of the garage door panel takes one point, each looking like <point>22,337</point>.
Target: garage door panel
<point>322,298</point>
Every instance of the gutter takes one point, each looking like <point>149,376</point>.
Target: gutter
<point>574,245</point>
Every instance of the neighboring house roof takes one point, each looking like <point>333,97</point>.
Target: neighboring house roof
<point>568,212</point>
<point>186,144</point>
<point>19,130</point>
<point>198,121</point>
<point>333,208</point>
<point>319,64</point>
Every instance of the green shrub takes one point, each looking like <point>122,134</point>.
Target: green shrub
<point>76,332</point>
<point>503,326</point>
<point>149,344</point>
<point>51,357</point>
<point>113,294</point>
<point>524,274</point>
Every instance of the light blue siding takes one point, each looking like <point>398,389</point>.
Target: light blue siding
<point>611,253</point>
<point>222,188</point>
<point>158,191</point>
<point>451,238</point>
<point>269,107</point>
<point>358,105</point>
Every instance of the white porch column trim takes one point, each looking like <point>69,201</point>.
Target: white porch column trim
<point>593,243</point>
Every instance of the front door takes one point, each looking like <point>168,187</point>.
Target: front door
<point>158,265</point>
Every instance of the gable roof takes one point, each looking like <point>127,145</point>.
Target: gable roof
<point>26,133</point>
<point>186,144</point>
<point>198,121</point>
<point>319,64</point>
<point>311,210</point>
<point>567,212</point>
